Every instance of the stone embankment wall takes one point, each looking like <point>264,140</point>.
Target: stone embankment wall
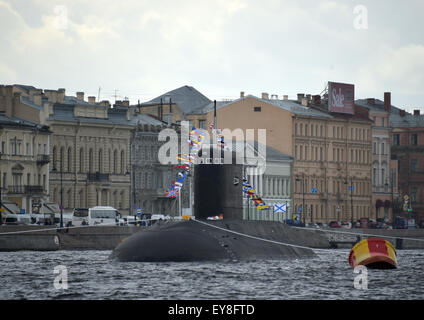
<point>14,238</point>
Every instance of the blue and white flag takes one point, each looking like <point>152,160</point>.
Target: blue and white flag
<point>280,207</point>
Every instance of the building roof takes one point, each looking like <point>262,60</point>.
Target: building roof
<point>25,100</point>
<point>287,105</point>
<point>407,121</point>
<point>21,123</point>
<point>378,106</point>
<point>187,98</point>
<point>65,112</point>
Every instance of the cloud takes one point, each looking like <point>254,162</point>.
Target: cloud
<point>144,48</point>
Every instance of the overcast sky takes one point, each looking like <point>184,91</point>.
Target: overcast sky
<point>145,48</point>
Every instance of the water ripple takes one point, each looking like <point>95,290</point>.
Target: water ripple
<point>91,275</point>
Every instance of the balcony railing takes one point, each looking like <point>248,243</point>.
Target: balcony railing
<point>43,159</point>
<point>15,189</point>
<point>98,177</point>
<point>34,189</point>
<point>30,189</point>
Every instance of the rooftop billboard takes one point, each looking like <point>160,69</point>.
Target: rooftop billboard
<point>341,97</point>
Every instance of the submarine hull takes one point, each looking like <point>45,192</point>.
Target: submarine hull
<point>185,241</point>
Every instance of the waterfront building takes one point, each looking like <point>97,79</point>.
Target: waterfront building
<point>273,185</point>
<point>384,168</point>
<point>331,174</point>
<point>24,155</point>
<point>407,147</point>
<point>150,178</point>
<point>89,146</point>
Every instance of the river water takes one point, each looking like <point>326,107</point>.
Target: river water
<point>91,275</point>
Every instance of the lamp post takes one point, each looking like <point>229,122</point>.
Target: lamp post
<point>351,187</point>
<point>303,197</point>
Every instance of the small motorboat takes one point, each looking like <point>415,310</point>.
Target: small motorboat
<point>374,253</point>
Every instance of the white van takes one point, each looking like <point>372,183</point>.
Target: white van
<point>17,219</point>
<point>99,215</point>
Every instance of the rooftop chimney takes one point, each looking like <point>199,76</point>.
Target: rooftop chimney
<point>241,94</point>
<point>387,102</point>
<point>60,95</point>
<point>92,100</point>
<point>305,102</point>
<point>402,113</point>
<point>308,96</point>
<point>371,101</point>
<point>416,112</point>
<point>300,96</point>
<point>285,97</point>
<point>80,95</point>
<point>265,96</point>
<point>317,99</point>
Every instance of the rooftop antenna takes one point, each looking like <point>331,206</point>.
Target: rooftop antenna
<point>98,95</point>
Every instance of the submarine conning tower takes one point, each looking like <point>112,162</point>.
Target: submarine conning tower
<point>218,184</point>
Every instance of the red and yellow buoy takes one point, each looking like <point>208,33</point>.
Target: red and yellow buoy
<point>375,253</point>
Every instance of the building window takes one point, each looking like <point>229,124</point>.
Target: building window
<point>393,177</point>
<point>257,109</point>
<point>90,161</point>
<point>382,149</point>
<point>69,159</point>
<point>27,149</point>
<point>4,180</point>
<point>414,139</point>
<point>100,159</point>
<point>122,162</point>
<point>202,124</point>
<point>414,194</point>
<point>382,122</point>
<point>54,158</point>
<point>396,139</point>
<point>115,161</point>
<point>414,165</point>
<point>374,148</point>
<point>81,160</point>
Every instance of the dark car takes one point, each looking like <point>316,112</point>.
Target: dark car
<point>334,224</point>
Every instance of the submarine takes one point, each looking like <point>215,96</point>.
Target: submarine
<point>231,238</point>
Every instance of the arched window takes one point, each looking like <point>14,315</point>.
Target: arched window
<point>91,161</point>
<point>115,161</point>
<point>81,160</point>
<point>100,158</point>
<point>122,162</point>
<point>69,162</point>
<point>62,158</point>
<point>55,157</point>
<point>110,161</point>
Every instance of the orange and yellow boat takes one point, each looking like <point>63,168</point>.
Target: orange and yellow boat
<point>374,253</point>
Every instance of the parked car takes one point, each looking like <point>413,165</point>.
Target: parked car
<point>421,224</point>
<point>335,224</point>
<point>400,223</point>
<point>346,225</point>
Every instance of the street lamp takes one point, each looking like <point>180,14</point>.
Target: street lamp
<point>351,188</point>
<point>303,195</point>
